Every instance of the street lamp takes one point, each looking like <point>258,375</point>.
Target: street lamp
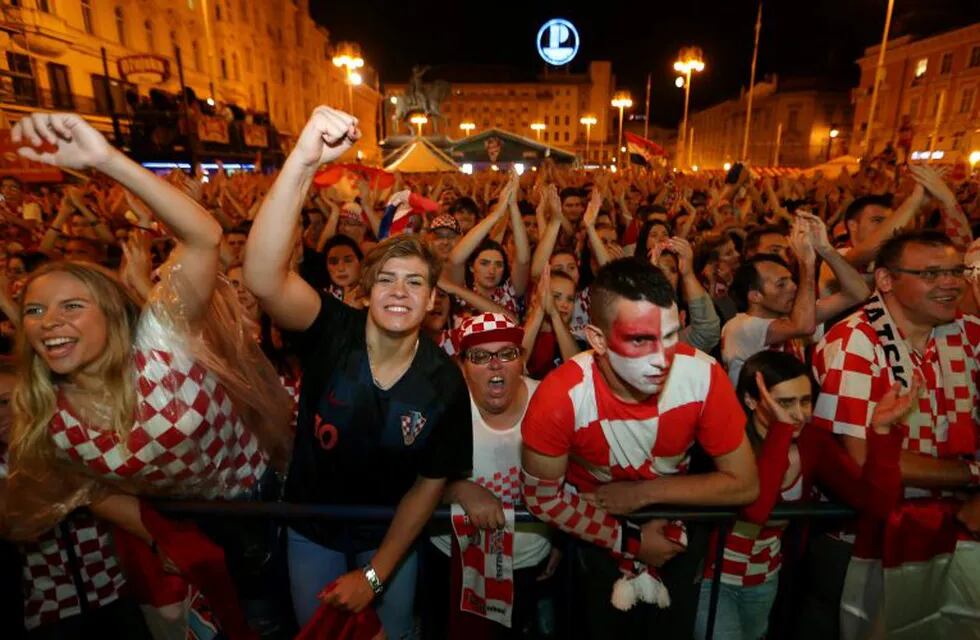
<point>834,132</point>
<point>974,158</point>
<point>467,127</point>
<point>538,127</point>
<point>679,82</point>
<point>349,57</point>
<point>689,59</point>
<point>621,100</point>
<point>588,120</point>
<point>418,119</point>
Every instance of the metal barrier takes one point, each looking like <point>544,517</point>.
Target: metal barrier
<point>290,512</point>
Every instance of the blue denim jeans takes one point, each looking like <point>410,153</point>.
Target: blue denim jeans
<point>743,612</point>
<point>312,567</point>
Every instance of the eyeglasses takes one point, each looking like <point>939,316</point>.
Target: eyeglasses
<point>931,275</point>
<point>481,356</point>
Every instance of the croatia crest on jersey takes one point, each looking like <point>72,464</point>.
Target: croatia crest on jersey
<point>412,425</point>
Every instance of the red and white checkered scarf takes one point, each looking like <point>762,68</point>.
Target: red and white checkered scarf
<point>953,399</point>
<point>488,566</point>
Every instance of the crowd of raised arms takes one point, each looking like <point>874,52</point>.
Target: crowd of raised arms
<point>578,344</point>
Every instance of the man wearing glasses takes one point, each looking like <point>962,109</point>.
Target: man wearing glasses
<point>493,365</point>
<point>911,333</point>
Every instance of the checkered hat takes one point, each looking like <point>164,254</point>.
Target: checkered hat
<point>445,222</point>
<point>488,327</point>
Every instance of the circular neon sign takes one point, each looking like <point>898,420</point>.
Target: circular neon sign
<point>558,41</point>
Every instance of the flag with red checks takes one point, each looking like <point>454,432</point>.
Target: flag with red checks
<point>487,556</point>
<point>187,436</point>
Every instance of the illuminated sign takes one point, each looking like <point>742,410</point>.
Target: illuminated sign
<point>144,69</point>
<point>557,41</point>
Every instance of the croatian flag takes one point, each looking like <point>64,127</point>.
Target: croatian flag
<point>405,209</point>
<point>641,150</point>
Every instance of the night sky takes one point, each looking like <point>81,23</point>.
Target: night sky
<point>799,38</point>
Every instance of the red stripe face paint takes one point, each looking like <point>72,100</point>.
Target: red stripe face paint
<point>642,343</point>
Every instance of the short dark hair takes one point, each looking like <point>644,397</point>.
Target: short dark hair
<point>890,253</point>
<point>464,204</point>
<point>340,240</point>
<point>644,236</point>
<point>628,278</point>
<point>856,208</point>
<point>709,250</point>
<point>561,275</point>
<point>747,279</point>
<point>754,237</point>
<point>569,192</point>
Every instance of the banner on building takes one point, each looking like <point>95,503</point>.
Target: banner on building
<point>212,129</point>
<point>12,164</point>
<point>255,135</point>
<point>144,68</point>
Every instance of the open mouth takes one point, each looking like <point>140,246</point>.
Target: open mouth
<point>496,384</point>
<point>59,347</point>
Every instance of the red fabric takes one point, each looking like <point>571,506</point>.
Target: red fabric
<point>332,623</point>
<point>574,413</point>
<point>920,530</point>
<point>379,178</point>
<point>541,360</point>
<point>201,563</point>
<point>461,623</point>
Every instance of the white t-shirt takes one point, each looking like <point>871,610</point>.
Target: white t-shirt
<point>497,467</point>
<point>741,338</point>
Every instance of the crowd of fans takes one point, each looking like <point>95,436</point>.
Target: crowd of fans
<point>580,344</point>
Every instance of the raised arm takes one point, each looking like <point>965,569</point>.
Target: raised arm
<point>456,263</point>
<point>520,270</point>
<point>588,220</point>
<point>79,146</point>
<point>546,241</point>
<point>287,298</point>
<point>705,326</point>
<point>862,254</point>
<point>802,321</point>
<point>853,288</point>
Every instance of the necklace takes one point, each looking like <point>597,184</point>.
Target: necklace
<point>395,378</point>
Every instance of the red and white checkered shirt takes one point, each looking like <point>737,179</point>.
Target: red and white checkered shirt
<point>49,588</point>
<point>852,370</point>
<point>504,295</point>
<point>187,436</point>
<point>574,412</point>
<point>753,553</point>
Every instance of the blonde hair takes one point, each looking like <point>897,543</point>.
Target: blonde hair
<point>34,397</point>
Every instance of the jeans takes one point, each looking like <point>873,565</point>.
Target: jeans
<point>742,614</point>
<point>312,567</point>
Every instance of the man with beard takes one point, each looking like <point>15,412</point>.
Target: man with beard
<point>618,423</point>
<point>493,365</point>
<point>777,313</point>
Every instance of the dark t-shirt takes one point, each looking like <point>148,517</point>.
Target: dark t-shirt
<point>360,445</point>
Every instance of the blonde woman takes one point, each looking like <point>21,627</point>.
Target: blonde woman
<point>117,398</point>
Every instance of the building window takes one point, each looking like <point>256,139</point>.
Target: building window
<point>248,59</point>
<point>244,10</point>
<point>545,136</point>
<point>566,121</point>
<point>914,108</point>
<point>60,86</point>
<point>975,57</point>
<point>224,66</point>
<point>24,84</point>
<point>234,66</point>
<point>947,64</point>
<point>196,51</point>
<point>935,105</point>
<point>566,136</point>
<point>87,16</point>
<point>44,5</point>
<point>966,100</point>
<point>148,29</point>
<point>921,66</point>
<point>120,26</point>
<point>557,120</point>
<point>217,12</point>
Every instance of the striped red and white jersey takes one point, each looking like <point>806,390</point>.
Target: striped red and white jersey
<point>575,413</point>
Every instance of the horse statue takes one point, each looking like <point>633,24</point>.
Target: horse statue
<point>426,97</point>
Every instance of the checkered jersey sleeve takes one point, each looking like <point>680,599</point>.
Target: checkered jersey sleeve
<point>721,425</point>
<point>549,422</point>
<point>846,366</point>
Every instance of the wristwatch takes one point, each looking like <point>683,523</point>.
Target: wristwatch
<point>372,577</point>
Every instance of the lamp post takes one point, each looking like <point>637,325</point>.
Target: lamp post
<point>689,59</point>
<point>538,127</point>
<point>588,120</point>
<point>349,57</point>
<point>834,132</point>
<point>621,100</point>
<point>877,78</point>
<point>467,127</point>
<point>418,119</point>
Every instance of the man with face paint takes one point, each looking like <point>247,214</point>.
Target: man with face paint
<point>610,432</point>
